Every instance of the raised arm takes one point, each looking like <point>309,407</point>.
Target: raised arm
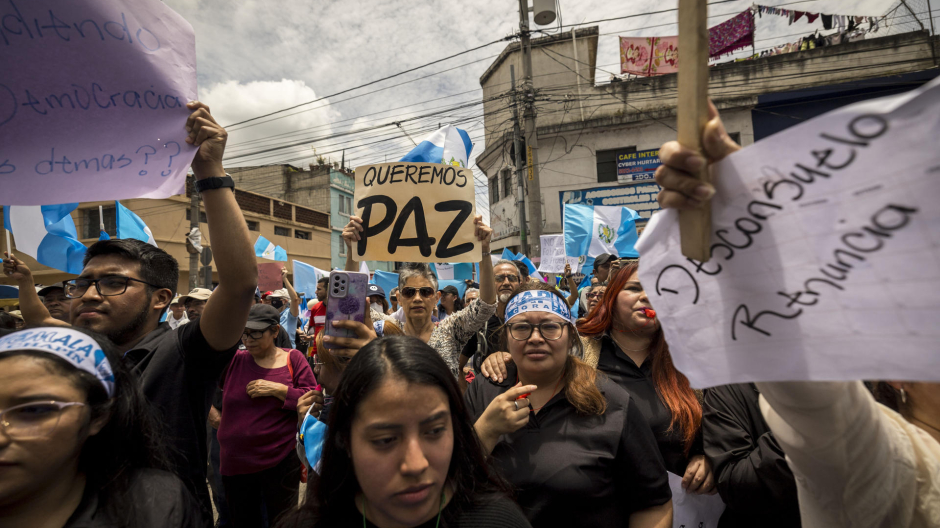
<point>294,298</point>
<point>226,312</point>
<point>572,286</point>
<point>31,307</point>
<point>350,237</point>
<point>487,281</point>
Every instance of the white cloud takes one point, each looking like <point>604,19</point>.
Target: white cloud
<point>232,102</point>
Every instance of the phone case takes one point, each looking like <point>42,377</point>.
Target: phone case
<point>347,301</point>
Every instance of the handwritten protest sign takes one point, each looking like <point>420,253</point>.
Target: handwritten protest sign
<point>824,261</point>
<point>416,212</point>
<point>93,100</point>
<point>553,255</point>
<point>269,276</point>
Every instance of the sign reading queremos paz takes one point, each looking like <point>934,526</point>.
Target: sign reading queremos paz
<point>416,212</point>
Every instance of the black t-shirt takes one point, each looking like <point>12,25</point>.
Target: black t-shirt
<point>492,511</point>
<point>575,470</point>
<point>158,498</point>
<point>178,372</point>
<point>638,381</point>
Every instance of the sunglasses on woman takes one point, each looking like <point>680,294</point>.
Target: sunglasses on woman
<point>407,293</point>
<point>255,334</point>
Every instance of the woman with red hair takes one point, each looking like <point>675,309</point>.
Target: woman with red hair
<point>623,339</point>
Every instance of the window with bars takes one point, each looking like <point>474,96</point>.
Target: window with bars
<point>303,235</point>
<point>607,163</point>
<point>253,226</point>
<point>494,190</point>
<point>345,205</point>
<point>507,182</point>
<point>282,231</point>
<point>91,225</point>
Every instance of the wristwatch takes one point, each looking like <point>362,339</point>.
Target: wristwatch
<point>215,183</point>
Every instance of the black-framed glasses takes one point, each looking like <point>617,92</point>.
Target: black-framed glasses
<point>409,292</point>
<point>34,419</point>
<point>507,277</point>
<point>595,295</point>
<point>549,330</point>
<point>106,286</point>
<point>255,334</point>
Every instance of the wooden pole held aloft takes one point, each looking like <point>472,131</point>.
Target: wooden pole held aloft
<point>692,114</point>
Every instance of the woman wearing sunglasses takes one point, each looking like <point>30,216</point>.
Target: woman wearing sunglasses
<point>574,445</point>
<point>418,295</point>
<point>260,388</point>
<point>78,444</point>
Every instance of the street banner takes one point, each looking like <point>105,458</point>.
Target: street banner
<point>553,255</point>
<point>823,255</point>
<point>269,276</point>
<point>93,100</point>
<point>416,212</point>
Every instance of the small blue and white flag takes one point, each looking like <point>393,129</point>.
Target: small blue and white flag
<point>593,230</point>
<point>46,233</point>
<point>266,249</point>
<point>129,225</point>
<point>448,145</point>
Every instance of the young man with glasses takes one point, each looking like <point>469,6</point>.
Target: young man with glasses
<point>127,285</point>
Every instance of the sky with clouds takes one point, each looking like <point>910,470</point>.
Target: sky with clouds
<point>255,57</point>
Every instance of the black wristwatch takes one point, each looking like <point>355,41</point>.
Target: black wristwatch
<point>215,183</point>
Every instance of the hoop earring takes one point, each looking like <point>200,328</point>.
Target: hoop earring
<point>903,396</point>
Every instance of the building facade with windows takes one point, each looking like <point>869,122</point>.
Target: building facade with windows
<point>326,187</point>
<point>598,142</point>
<point>302,231</point>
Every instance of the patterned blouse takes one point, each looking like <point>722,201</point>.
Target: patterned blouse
<point>451,334</point>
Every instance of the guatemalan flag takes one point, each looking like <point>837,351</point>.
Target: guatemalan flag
<point>267,250</point>
<point>129,225</point>
<point>46,233</point>
<point>448,145</point>
<point>593,230</point>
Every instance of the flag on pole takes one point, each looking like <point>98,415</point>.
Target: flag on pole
<point>102,234</point>
<point>448,145</point>
<point>306,277</point>
<point>363,268</point>
<point>593,230</point>
<point>46,233</point>
<point>129,225</point>
<point>267,250</point>
<point>508,255</point>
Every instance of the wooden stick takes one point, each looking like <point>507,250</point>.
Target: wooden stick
<point>694,225</point>
<point>9,247</point>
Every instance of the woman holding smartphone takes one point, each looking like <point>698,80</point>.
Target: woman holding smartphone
<point>418,294</point>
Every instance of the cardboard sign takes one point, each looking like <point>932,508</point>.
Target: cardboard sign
<point>269,276</point>
<point>823,254</point>
<point>553,255</point>
<point>93,100</point>
<point>416,212</point>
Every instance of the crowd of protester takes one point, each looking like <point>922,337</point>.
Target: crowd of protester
<point>518,404</point>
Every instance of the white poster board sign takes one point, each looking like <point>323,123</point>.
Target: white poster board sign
<point>553,255</point>
<point>824,258</point>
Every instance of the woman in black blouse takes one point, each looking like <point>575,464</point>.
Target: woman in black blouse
<point>400,451</point>
<point>574,445</point>
<point>623,339</point>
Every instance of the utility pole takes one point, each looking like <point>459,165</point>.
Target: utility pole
<point>193,223</point>
<point>531,136</point>
<point>520,179</point>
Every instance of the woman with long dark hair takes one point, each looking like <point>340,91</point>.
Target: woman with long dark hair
<point>401,450</point>
<point>574,445</point>
<point>78,444</point>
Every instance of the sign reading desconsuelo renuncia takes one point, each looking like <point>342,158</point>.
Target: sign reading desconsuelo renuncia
<point>93,100</point>
<point>416,212</point>
<point>637,166</point>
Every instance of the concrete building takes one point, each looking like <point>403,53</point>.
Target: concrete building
<point>586,129</point>
<point>322,187</point>
<point>302,231</point>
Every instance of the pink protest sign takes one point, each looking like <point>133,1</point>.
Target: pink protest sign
<point>93,100</point>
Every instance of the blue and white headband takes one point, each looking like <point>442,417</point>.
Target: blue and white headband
<point>538,301</point>
<point>80,350</point>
